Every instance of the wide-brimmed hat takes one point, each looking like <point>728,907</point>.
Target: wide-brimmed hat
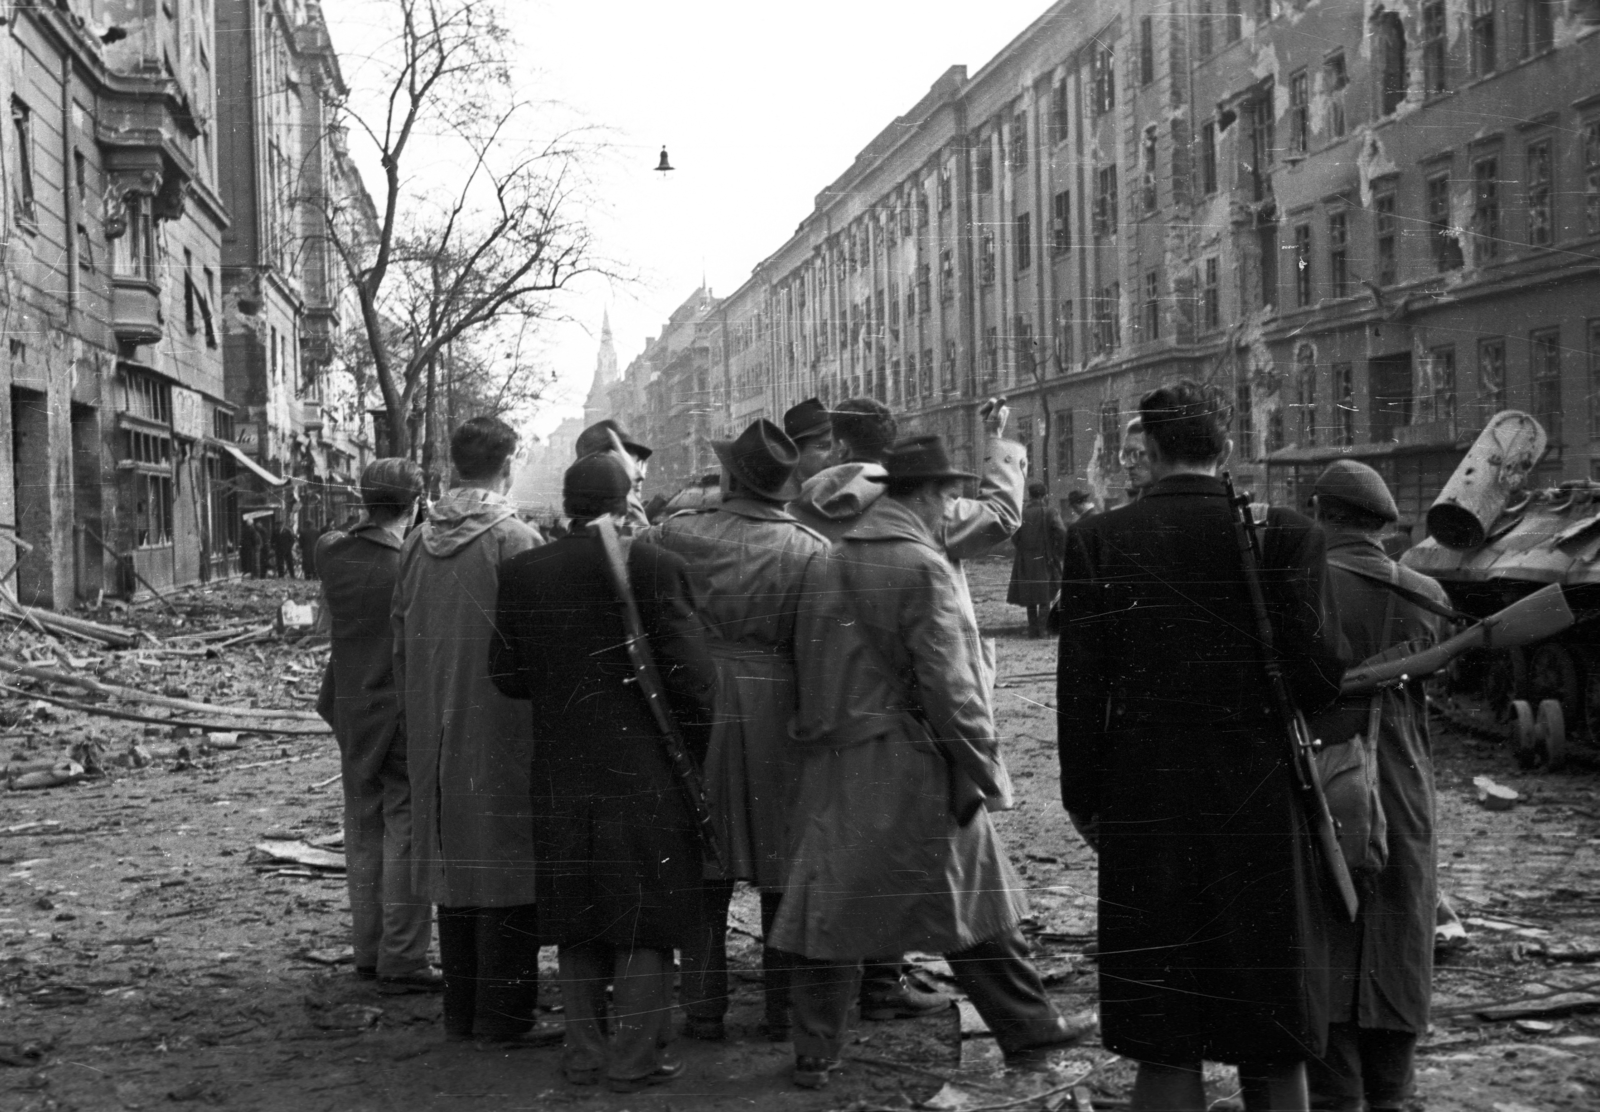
<point>808,419</point>
<point>920,457</point>
<point>1358,486</point>
<point>763,458</point>
<point>597,438</point>
<point>596,484</point>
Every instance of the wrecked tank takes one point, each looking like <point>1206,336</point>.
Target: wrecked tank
<point>1493,539</point>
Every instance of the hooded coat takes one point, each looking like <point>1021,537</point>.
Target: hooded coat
<point>894,849</point>
<point>1212,919</point>
<point>469,746</point>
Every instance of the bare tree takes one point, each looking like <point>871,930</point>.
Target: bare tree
<point>478,225</point>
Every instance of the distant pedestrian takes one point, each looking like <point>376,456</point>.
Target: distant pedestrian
<point>308,546</point>
<point>893,846</point>
<point>391,926</point>
<point>1080,504</point>
<point>264,558</point>
<point>619,859</point>
<point>249,550</point>
<point>469,747</point>
<point>746,556</point>
<point>283,542</point>
<point>1036,569</point>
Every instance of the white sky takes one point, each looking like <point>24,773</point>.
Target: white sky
<point>759,104</point>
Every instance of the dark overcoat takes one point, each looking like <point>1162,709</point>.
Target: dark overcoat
<point>359,698</point>
<point>619,858</point>
<point>1212,916</point>
<point>1383,962</point>
<point>1036,569</point>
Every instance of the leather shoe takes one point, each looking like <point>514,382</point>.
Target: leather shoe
<point>902,1000</point>
<point>1046,1055</point>
<point>669,1070</point>
<point>403,984</point>
<point>813,1073</point>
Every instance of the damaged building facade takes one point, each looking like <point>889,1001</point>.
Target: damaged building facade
<point>129,461</point>
<point>1372,223</point>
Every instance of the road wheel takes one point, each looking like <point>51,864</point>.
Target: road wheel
<point>1522,738</point>
<point>1550,736</point>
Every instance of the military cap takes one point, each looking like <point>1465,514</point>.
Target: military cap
<point>597,438</point>
<point>1357,486</point>
<point>806,420</point>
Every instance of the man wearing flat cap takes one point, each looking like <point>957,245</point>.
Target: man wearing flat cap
<point>747,555</point>
<point>810,426</point>
<point>894,849</point>
<point>618,848</point>
<point>604,436</point>
<point>1381,966</point>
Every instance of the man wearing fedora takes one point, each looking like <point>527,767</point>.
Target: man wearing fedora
<point>747,556</point>
<point>893,846</point>
<point>832,501</point>
<point>811,428</point>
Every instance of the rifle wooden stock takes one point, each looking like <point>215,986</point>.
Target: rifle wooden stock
<point>1296,733</point>
<point>654,690</point>
<point>1540,615</point>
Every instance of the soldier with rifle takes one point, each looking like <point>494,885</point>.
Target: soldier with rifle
<point>605,645</point>
<point>1177,767</point>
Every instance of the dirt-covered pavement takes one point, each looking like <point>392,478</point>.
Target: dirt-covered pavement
<point>150,956</point>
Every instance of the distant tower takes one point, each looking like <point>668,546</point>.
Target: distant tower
<point>606,374</point>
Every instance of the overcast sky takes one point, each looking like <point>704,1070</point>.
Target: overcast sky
<point>760,106</point>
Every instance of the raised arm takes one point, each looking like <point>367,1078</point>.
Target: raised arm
<point>975,525</point>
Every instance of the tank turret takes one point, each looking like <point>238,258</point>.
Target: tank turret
<point>1493,471</point>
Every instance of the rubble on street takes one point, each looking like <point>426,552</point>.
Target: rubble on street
<point>174,920</point>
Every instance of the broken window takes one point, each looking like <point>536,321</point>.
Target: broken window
<point>1305,372</point>
<point>1390,385</point>
<point>1108,319</point>
<point>1541,212</point>
<point>947,275</point>
<point>1024,244</point>
<point>1299,113</point>
<point>991,354</point>
<point>1344,393</point>
<point>1102,77</point>
<point>944,188</point>
<point>1066,462</point>
<point>1147,158</point>
<point>986,259</point>
<point>927,370</point>
<point>1480,21</point>
<point>985,168</point>
<point>1384,228</point>
<point>1441,236</point>
<point>1064,335</point>
<point>1244,422</point>
<point>1486,208</point>
<point>1302,265</point>
<point>1110,428</point>
<point>1019,141</point>
<point>1389,35</point>
<point>22,197</point>
<point>1208,157</point>
<point>919,197</point>
<point>1338,254</point>
<point>1060,226</point>
<point>1263,140</point>
<point>1105,201</point>
<point>1492,374</point>
<point>948,371</point>
<point>1210,296</point>
<point>1152,306</point>
<point>924,286</point>
<point>1147,50</point>
<point>1544,367</point>
<point>1434,45</point>
<point>1538,26</point>
<point>1022,334</point>
<point>1335,78</point>
<point>1438,401</point>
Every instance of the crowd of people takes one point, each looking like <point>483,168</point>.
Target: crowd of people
<point>588,741</point>
<point>267,549</point>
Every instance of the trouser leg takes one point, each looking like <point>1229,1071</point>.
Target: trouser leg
<point>458,961</point>
<point>363,858</point>
<point>1034,614</point>
<point>585,969</point>
<point>881,975</point>
<point>1388,1068</point>
<point>641,1007</point>
<point>508,971</point>
<point>407,920</point>
<point>705,960</point>
<point>1334,1080</point>
<point>822,992</point>
<point>1273,1087</point>
<point>775,966</point>
<point>1161,1088</point>
<point>1003,985</point>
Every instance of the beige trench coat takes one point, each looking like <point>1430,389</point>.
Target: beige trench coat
<point>894,847</point>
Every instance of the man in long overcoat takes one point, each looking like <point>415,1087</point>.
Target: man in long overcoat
<point>391,927</point>
<point>468,745</point>
<point>894,849</point>
<point>1175,767</point>
<point>620,863</point>
<point>832,500</point>
<point>308,546</point>
<point>283,542</point>
<point>1036,567</point>
<point>747,557</point>
<point>1382,964</point>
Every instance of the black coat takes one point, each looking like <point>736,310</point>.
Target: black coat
<point>1212,936</point>
<point>615,841</point>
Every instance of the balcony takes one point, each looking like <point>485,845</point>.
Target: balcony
<point>136,311</point>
